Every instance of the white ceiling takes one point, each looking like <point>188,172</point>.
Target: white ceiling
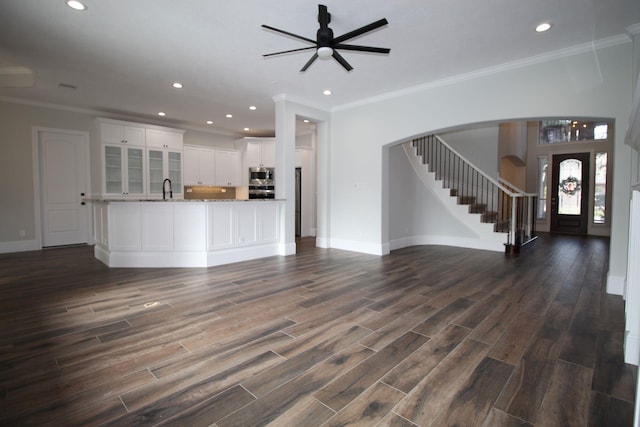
<point>122,55</point>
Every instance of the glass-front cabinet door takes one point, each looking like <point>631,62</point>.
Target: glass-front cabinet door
<point>156,171</point>
<point>123,171</point>
<point>175,171</point>
<point>164,164</point>
<point>135,171</point>
<point>113,172</point>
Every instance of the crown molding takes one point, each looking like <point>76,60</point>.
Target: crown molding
<point>52,106</point>
<point>507,66</point>
<point>118,116</point>
<point>634,29</point>
<point>285,97</point>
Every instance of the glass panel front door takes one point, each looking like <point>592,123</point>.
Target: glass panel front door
<point>570,181</point>
<point>570,187</point>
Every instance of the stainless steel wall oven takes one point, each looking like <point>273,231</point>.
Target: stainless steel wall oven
<point>262,183</point>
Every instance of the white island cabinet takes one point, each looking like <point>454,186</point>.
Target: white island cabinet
<point>185,233</point>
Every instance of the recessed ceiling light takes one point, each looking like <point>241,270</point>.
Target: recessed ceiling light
<point>75,4</point>
<point>209,122</point>
<point>306,121</point>
<point>177,85</point>
<point>545,26</point>
<point>162,113</point>
<point>326,92</point>
<point>253,107</point>
<point>247,129</point>
<point>228,116</point>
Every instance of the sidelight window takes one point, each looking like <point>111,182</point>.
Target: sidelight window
<point>600,189</point>
<point>542,187</point>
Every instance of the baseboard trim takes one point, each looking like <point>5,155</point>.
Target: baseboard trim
<point>362,247</point>
<point>459,242</point>
<point>186,259</point>
<point>615,285</point>
<point>631,348</point>
<point>19,246</point>
<point>287,249</point>
<point>322,242</point>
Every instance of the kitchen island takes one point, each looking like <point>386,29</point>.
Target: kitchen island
<point>186,233</point>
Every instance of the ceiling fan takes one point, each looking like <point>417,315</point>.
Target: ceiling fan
<point>326,46</point>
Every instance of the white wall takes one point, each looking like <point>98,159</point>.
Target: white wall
<point>591,83</point>
<point>478,144</point>
<point>414,211</point>
<point>17,209</point>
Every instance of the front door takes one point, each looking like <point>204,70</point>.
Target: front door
<point>63,184</point>
<point>570,193</point>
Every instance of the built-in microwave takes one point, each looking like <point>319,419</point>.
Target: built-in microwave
<point>261,176</point>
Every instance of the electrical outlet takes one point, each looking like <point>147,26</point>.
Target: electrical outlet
<point>22,234</point>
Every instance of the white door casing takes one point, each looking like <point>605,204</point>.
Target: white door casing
<point>63,182</point>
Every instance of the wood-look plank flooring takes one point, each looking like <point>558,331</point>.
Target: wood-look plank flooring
<point>427,336</point>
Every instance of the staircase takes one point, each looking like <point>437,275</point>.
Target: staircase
<point>508,211</point>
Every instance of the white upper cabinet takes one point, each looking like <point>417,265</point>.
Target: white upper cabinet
<point>124,171</point>
<point>136,158</point>
<point>261,153</point>
<point>164,139</point>
<point>114,133</point>
<point>198,166</point>
<point>228,168</point>
<point>122,159</point>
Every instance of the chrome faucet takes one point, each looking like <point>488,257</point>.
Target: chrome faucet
<point>164,193</point>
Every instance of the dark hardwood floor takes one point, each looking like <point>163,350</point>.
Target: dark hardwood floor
<point>424,336</point>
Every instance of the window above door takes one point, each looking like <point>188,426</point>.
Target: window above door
<point>570,130</point>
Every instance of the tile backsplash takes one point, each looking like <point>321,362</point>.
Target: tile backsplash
<point>206,192</point>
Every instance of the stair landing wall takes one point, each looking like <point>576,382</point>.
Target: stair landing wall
<point>421,212</point>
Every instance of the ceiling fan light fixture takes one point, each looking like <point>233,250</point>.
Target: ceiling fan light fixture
<point>325,52</point>
<point>77,5</point>
<point>544,26</point>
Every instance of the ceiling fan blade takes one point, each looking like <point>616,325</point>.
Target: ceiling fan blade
<point>309,62</point>
<point>355,33</point>
<point>342,61</point>
<point>288,51</point>
<point>362,48</point>
<point>289,34</point>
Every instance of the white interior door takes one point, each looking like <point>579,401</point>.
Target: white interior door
<point>63,183</point>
